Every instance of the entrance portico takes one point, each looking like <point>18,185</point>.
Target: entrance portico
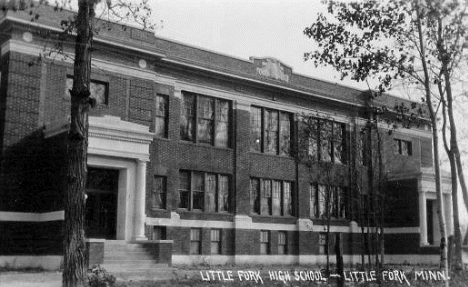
<point>123,146</point>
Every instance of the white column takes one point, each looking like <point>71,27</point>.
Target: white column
<point>422,218</point>
<point>140,202</point>
<point>448,213</point>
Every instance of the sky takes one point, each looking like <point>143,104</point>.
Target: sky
<point>241,28</point>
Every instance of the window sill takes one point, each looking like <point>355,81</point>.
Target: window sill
<point>161,138</point>
<point>270,154</point>
<point>272,216</point>
<point>204,145</point>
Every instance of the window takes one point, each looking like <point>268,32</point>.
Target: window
<point>270,197</point>
<point>327,141</point>
<point>323,243</point>
<point>161,116</point>
<point>270,131</point>
<point>195,241</point>
<point>98,89</point>
<point>363,148</point>
<point>327,199</point>
<point>215,241</point>
<point>255,195</point>
<point>204,191</point>
<point>282,242</point>
<point>159,233</point>
<point>264,242</point>
<point>159,192</point>
<point>205,120</point>
<point>402,147</point>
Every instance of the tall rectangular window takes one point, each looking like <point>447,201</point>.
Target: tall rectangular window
<point>287,199</point>
<point>198,192</point>
<point>204,191</point>
<point>99,90</point>
<point>161,115</point>
<point>270,131</point>
<point>271,197</point>
<point>255,195</point>
<point>402,147</point>
<point>327,141</point>
<point>159,192</point>
<point>215,241</point>
<point>256,129</point>
<point>223,194</point>
<point>282,242</point>
<point>222,123</point>
<point>205,119</point>
<point>266,197</point>
<point>327,200</point>
<point>187,117</point>
<point>276,199</point>
<point>184,189</point>
<point>195,241</point>
<point>285,133</point>
<point>323,243</point>
<point>264,242</point>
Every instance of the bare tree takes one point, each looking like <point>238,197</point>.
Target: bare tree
<point>420,41</point>
<point>83,25</point>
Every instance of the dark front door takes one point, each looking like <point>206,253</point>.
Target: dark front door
<point>101,203</point>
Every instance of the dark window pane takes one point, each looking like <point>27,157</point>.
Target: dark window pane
<point>187,117</point>
<point>205,119</point>
<point>97,89</point>
<point>160,128</point>
<point>285,132</point>
<point>222,124</point>
<point>211,192</point>
<point>255,129</point>
<point>159,192</point>
<point>276,189</point>
<point>255,195</point>
<point>338,146</point>
<point>223,193</point>
<point>326,139</point>
<point>271,131</point>
<point>198,191</point>
<point>287,198</point>
<point>184,189</point>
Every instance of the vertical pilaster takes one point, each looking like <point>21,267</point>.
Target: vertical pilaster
<point>422,218</point>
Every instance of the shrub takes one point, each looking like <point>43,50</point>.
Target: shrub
<point>98,277</point>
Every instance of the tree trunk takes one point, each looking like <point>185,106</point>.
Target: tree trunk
<point>339,259</point>
<point>456,260</point>
<point>74,273</point>
<point>435,141</point>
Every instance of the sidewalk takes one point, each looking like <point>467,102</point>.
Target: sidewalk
<point>27,279</point>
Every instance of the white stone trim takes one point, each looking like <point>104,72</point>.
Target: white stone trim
<point>308,92</point>
<point>31,217</point>
<point>46,262</point>
<point>36,50</point>
<point>245,222</point>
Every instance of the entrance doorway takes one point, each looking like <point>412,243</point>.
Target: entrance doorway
<point>101,203</point>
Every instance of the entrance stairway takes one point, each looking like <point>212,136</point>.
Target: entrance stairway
<point>135,260</point>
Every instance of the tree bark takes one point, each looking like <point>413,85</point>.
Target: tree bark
<point>457,258</point>
<point>74,273</point>
<point>435,141</point>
